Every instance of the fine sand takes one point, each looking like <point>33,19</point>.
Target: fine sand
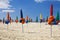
<point>29,31</point>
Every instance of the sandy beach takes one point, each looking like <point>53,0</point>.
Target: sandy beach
<point>31,31</point>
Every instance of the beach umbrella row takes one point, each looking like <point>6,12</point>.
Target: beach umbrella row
<point>30,20</point>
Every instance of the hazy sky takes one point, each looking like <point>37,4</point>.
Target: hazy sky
<point>32,8</point>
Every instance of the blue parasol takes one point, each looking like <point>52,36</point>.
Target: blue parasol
<point>7,21</point>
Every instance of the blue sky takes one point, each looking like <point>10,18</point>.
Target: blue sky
<point>32,8</point>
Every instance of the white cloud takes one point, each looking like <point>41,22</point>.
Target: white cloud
<point>5,4</point>
<point>44,0</point>
<point>9,10</point>
<point>39,0</point>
